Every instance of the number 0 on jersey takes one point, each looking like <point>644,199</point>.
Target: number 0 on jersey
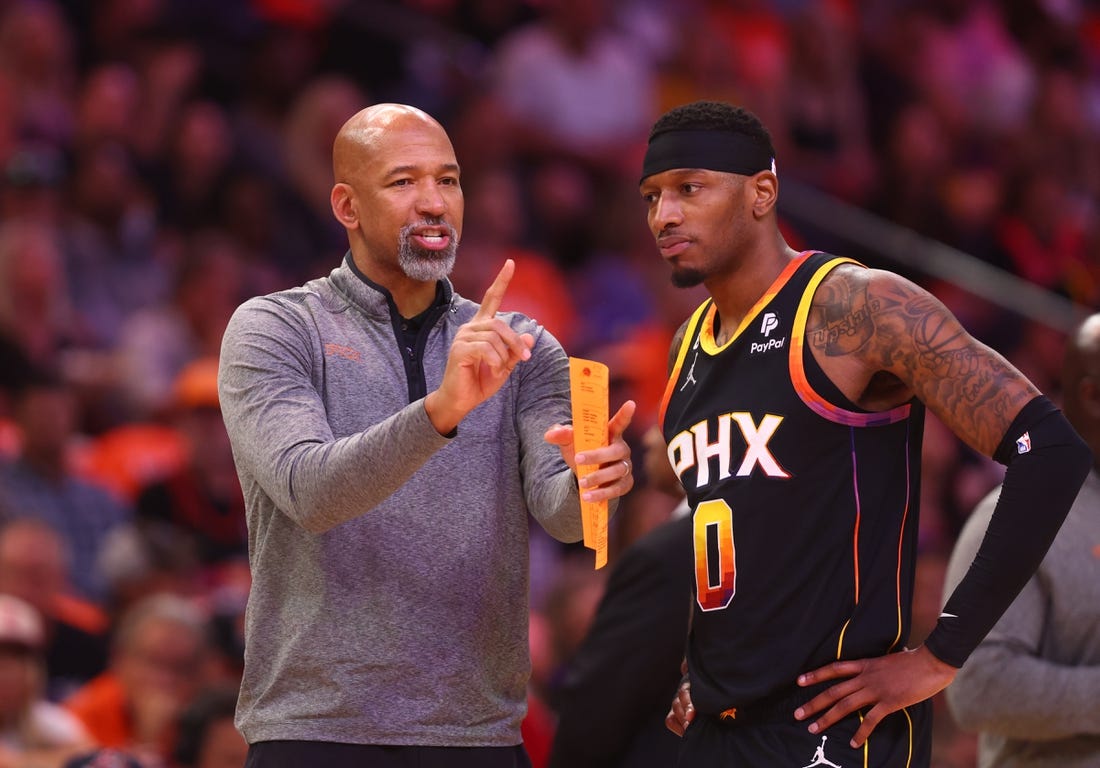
<point>715,555</point>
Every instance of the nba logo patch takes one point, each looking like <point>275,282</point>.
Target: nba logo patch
<point>1023,443</point>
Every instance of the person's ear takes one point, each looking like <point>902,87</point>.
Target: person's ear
<point>343,205</point>
<point>764,187</point>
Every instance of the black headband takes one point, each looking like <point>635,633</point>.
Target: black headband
<point>714,150</point>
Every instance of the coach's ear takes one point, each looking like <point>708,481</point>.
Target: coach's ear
<point>764,189</point>
<point>343,205</point>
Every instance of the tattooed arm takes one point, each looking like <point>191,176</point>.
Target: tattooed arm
<point>882,340</point>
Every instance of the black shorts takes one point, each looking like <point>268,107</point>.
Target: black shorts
<point>302,754</point>
<point>902,740</point>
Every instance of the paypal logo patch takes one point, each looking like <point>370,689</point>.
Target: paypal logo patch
<point>768,323</point>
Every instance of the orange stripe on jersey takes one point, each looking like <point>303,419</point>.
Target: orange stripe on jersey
<point>901,543</point>
<point>706,334</point>
<point>681,355</point>
<point>909,747</point>
<point>855,549</point>
<point>900,548</point>
<point>909,720</point>
<point>807,393</point>
<point>855,546</point>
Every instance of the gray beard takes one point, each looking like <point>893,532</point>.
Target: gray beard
<point>424,265</point>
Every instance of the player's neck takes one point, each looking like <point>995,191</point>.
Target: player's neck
<point>736,292</point>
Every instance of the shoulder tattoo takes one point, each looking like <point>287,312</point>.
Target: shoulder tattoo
<point>898,327</point>
<point>840,319</point>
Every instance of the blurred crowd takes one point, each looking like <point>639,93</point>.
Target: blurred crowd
<point>163,160</point>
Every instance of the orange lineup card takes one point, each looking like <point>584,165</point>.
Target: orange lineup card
<point>588,383</point>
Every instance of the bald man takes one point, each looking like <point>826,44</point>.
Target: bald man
<point>1032,688</point>
<point>391,437</point>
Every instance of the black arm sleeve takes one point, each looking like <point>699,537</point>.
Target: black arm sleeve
<point>1047,463</point>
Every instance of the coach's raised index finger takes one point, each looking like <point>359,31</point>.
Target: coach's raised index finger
<point>494,295</point>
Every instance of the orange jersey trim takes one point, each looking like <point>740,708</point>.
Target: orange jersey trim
<point>814,401</point>
<point>705,314</point>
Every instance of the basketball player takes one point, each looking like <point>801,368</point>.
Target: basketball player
<point>793,416</point>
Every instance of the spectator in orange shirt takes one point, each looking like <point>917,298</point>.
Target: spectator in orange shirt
<point>154,673</point>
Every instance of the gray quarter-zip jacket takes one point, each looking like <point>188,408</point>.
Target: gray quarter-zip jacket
<point>389,599</point>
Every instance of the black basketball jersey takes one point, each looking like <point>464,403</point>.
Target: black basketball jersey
<point>804,505</point>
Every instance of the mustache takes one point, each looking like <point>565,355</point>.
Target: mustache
<point>408,229</point>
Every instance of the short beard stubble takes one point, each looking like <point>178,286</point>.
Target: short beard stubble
<point>686,277</point>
